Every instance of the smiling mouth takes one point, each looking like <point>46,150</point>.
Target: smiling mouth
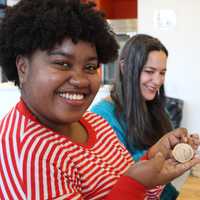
<point>151,89</point>
<point>71,96</point>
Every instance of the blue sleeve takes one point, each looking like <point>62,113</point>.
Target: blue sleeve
<point>106,109</point>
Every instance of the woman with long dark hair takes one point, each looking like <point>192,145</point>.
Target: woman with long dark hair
<point>135,108</point>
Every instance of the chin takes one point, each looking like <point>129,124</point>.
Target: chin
<point>150,98</point>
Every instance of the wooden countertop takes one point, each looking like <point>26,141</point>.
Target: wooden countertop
<point>190,190</point>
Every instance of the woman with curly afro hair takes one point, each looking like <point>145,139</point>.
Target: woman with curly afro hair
<point>50,146</point>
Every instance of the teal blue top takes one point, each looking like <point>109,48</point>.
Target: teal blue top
<point>106,109</point>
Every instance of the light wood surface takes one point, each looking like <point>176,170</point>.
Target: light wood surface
<point>191,189</point>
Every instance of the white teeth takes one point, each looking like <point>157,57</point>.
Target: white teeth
<point>72,96</point>
<point>151,88</point>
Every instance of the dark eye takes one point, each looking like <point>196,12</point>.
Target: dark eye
<point>163,73</point>
<point>92,68</point>
<point>63,65</point>
<point>149,71</point>
<point>66,65</point>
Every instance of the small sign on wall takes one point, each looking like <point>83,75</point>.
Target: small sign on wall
<point>165,19</point>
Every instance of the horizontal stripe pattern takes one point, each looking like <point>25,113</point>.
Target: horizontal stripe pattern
<point>37,163</point>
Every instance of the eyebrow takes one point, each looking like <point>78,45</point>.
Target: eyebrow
<point>67,55</point>
<point>153,68</point>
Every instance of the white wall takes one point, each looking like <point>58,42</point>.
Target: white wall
<point>183,43</point>
<point>12,2</point>
<point>182,39</point>
<point>9,96</point>
<point>0,74</point>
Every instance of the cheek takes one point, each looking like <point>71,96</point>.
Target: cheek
<point>95,83</point>
<point>42,87</point>
<point>163,80</point>
<point>144,78</point>
<point>51,81</point>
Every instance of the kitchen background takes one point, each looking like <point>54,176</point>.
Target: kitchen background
<point>175,23</point>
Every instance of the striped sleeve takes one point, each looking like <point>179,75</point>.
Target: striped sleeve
<point>27,162</point>
<point>11,184</point>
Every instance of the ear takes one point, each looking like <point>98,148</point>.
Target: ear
<point>22,68</point>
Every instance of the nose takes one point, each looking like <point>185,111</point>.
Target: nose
<point>79,79</point>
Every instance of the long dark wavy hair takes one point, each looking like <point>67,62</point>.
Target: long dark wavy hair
<point>146,121</point>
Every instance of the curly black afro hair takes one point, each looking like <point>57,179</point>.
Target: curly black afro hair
<point>41,24</point>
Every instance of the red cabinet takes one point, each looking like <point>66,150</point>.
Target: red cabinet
<point>118,9</point>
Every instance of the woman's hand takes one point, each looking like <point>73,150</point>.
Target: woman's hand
<point>166,144</point>
<point>159,170</point>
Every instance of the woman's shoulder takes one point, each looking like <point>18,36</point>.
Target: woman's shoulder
<point>106,102</point>
<point>104,107</point>
<point>108,99</point>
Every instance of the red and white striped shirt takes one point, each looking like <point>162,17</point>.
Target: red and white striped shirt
<point>37,163</point>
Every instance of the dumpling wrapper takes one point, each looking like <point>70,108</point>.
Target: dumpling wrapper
<point>183,152</point>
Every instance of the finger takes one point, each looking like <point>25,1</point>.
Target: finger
<point>194,135</point>
<point>181,132</point>
<point>194,141</point>
<point>195,138</point>
<point>183,167</point>
<point>183,135</point>
<point>195,147</point>
<point>177,136</point>
<point>173,162</point>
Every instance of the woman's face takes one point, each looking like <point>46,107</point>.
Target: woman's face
<point>59,85</point>
<point>153,74</point>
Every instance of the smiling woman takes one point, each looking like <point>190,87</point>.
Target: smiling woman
<point>67,79</point>
<point>136,105</point>
<point>51,147</point>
